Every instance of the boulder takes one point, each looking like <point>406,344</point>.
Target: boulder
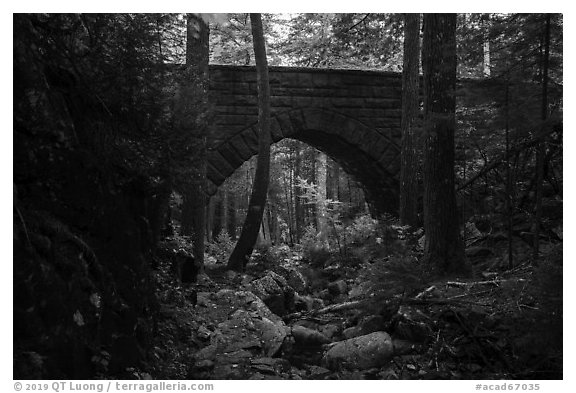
<point>371,324</point>
<point>363,352</point>
<point>306,337</point>
<point>268,365</point>
<point>204,365</point>
<point>307,303</point>
<point>338,288</point>
<point>273,335</point>
<point>251,327</point>
<point>330,330</point>
<point>351,332</point>
<point>317,372</point>
<point>275,292</point>
<point>360,290</point>
<point>367,325</point>
<point>294,278</point>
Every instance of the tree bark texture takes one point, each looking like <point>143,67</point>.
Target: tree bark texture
<point>410,109</point>
<point>191,113</point>
<point>248,236</point>
<point>444,248</point>
<point>541,149</point>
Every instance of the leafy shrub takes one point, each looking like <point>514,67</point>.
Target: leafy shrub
<point>362,229</point>
<point>269,256</point>
<point>391,276</point>
<point>314,250</point>
<point>278,253</point>
<point>221,247</point>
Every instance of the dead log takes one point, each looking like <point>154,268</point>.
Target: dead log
<point>332,308</point>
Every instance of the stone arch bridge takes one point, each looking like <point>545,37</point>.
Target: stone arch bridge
<point>352,116</point>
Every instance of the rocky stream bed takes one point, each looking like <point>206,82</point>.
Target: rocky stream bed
<point>268,324</point>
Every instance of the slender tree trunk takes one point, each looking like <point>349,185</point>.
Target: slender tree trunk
<point>232,217</point>
<point>245,245</point>
<point>274,211</point>
<point>298,211</point>
<point>410,106</point>
<point>540,152</point>
<point>486,45</point>
<point>444,249</point>
<point>210,218</point>
<point>321,214</point>
<point>287,198</point>
<point>225,211</point>
<point>335,181</point>
<point>509,198</point>
<point>265,226</point>
<point>190,115</point>
<point>292,208</point>
<point>217,221</point>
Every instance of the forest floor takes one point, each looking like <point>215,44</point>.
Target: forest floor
<point>500,324</point>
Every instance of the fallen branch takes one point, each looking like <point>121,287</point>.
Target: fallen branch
<point>425,292</point>
<point>443,301</point>
<point>325,310</point>
<point>470,294</point>
<point>471,284</point>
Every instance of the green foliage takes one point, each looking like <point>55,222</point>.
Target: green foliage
<point>341,41</point>
<point>314,251</point>
<point>221,247</point>
<point>394,275</point>
<point>362,228</point>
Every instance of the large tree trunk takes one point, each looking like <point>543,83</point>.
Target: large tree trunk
<point>190,115</point>
<point>540,152</point>
<point>410,106</point>
<point>444,249</point>
<point>248,236</point>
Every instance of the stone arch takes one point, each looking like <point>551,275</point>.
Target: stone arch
<point>371,157</point>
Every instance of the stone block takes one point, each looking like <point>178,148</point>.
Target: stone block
<point>279,101</point>
<point>275,130</point>
<point>221,164</point>
<point>230,119</point>
<point>297,120</point>
<point>250,136</point>
<point>229,153</point>
<point>383,103</point>
<point>379,149</point>
<point>394,166</point>
<point>321,80</point>
<point>241,147</point>
<point>285,122</point>
<point>214,175</point>
<point>347,102</point>
<point>315,119</point>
